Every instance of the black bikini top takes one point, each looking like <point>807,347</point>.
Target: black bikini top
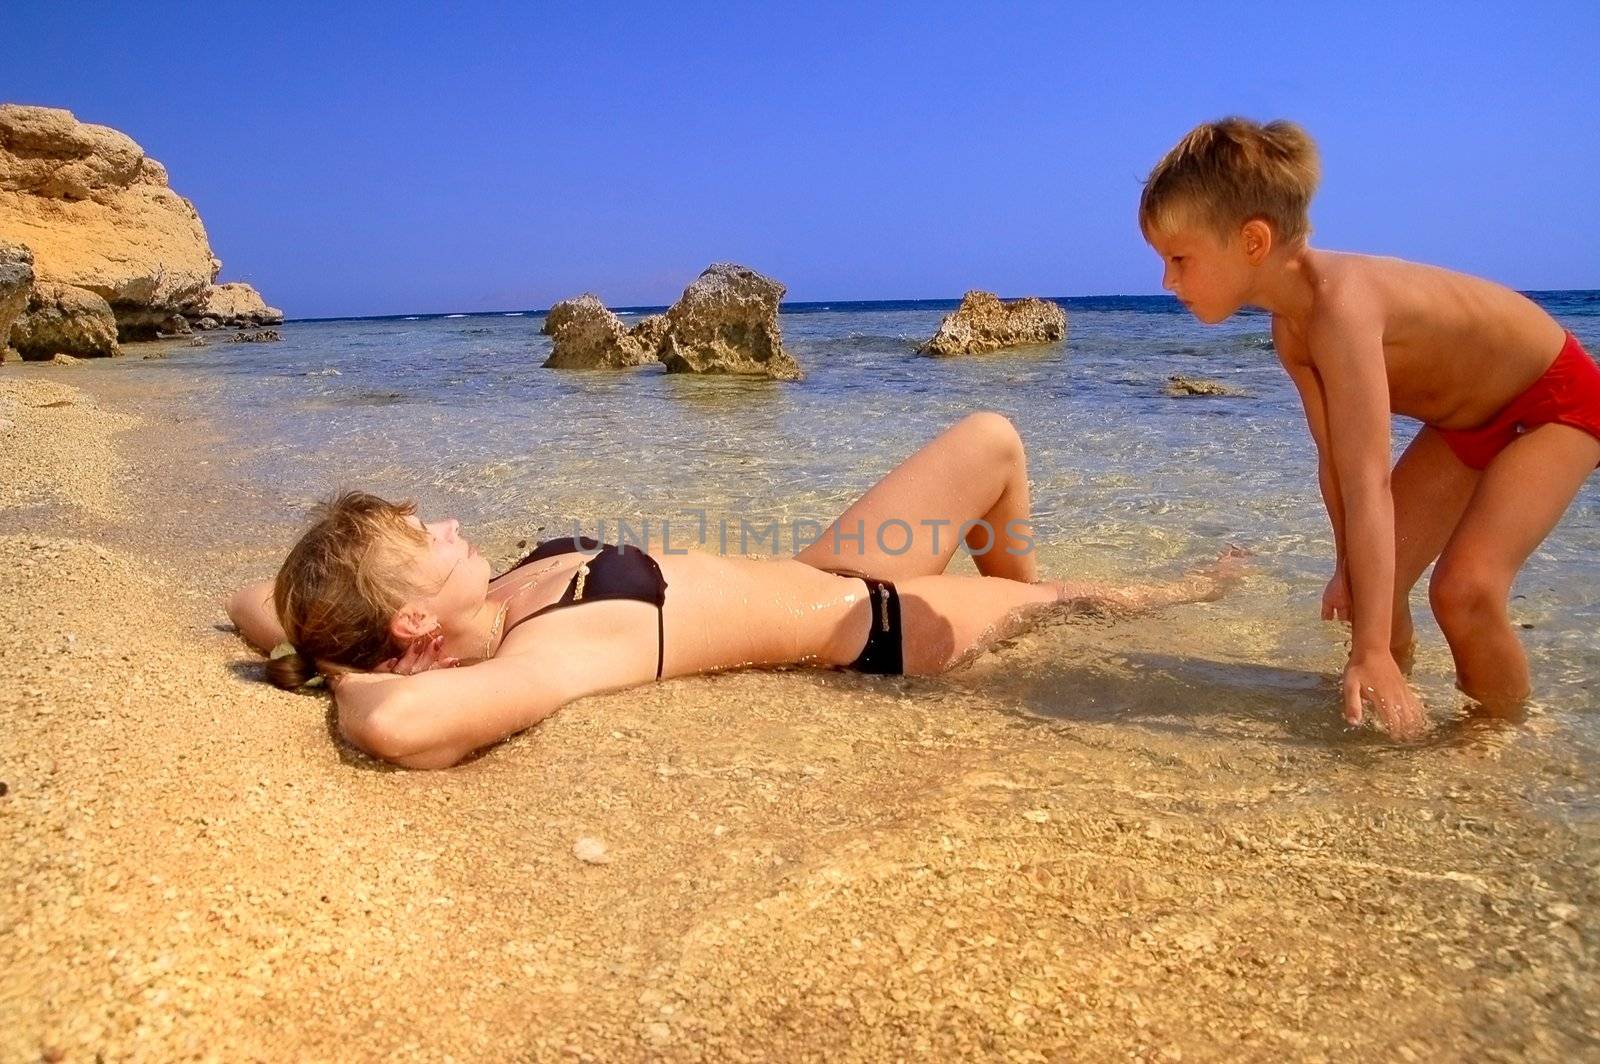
<point>613,572</point>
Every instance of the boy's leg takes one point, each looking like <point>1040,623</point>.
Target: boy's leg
<point>1520,499</point>
<point>1431,489</point>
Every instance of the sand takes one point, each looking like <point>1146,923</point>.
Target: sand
<point>784,865</point>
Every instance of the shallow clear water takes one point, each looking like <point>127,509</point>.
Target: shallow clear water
<point>456,412</point>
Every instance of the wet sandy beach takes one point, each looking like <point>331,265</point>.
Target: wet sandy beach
<point>799,865</point>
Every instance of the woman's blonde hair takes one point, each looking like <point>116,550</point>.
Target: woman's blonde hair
<point>1223,174</point>
<point>341,586</point>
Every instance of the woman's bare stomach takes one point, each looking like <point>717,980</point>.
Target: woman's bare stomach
<point>726,612</point>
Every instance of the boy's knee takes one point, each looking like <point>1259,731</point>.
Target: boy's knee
<point>1462,595</point>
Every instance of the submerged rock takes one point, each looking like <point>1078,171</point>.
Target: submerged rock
<point>260,336</point>
<point>984,322</point>
<point>727,322</point>
<point>16,281</point>
<point>61,318</point>
<point>1179,387</point>
<point>585,335</point>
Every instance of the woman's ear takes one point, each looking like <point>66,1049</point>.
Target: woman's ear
<point>412,622</point>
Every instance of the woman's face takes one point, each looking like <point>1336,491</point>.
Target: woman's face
<point>452,577</point>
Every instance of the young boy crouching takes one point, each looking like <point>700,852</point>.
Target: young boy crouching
<point>1509,404</point>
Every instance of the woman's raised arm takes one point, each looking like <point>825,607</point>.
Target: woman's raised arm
<point>434,719</point>
<point>252,612</point>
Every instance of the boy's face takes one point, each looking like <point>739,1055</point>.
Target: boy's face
<point>1209,275</point>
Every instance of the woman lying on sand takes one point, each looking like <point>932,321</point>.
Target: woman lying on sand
<point>386,606</point>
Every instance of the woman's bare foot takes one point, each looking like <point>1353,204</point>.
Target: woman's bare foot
<point>1206,584</point>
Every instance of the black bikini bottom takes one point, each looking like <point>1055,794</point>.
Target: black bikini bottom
<point>884,654</point>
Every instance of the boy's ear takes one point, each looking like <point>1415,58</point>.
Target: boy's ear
<point>1257,238</point>
<point>411,622</point>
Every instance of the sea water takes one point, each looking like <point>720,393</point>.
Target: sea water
<point>1128,484</point>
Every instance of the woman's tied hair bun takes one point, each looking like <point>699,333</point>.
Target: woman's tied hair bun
<point>288,669</point>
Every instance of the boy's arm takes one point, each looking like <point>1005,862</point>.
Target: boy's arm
<point>1346,346</point>
<point>1312,399</point>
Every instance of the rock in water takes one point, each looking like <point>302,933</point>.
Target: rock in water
<point>235,304</point>
<point>97,214</point>
<point>16,280</point>
<point>62,319</point>
<point>585,335</point>
<point>1180,387</point>
<point>648,333</point>
<point>984,323</point>
<point>727,322</point>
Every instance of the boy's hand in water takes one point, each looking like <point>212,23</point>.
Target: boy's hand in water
<point>1375,680</point>
<point>1336,596</point>
<point>425,653</point>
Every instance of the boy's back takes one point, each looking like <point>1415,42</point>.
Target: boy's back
<point>1456,348</point>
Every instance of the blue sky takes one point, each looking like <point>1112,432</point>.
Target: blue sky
<point>390,158</point>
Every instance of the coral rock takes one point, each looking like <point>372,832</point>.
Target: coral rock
<point>585,335</point>
<point>984,323</point>
<point>648,333</point>
<point>727,322</point>
<point>1179,387</point>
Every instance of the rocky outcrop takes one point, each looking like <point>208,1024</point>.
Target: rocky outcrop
<point>727,322</point>
<point>97,214</point>
<point>585,335</point>
<point>984,323</point>
<point>61,319</point>
<point>233,304</point>
<point>260,336</point>
<point>16,281</point>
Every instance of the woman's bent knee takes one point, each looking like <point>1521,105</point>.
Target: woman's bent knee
<point>997,431</point>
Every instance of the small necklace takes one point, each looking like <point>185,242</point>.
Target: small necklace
<point>494,629</point>
<point>505,607</point>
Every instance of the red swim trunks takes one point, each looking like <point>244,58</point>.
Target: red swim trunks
<point>1567,394</point>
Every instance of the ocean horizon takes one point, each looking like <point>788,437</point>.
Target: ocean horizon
<point>1149,303</point>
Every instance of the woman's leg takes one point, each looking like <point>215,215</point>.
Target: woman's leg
<point>944,617</point>
<point>969,483</point>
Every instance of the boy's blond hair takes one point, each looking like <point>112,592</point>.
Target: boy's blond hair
<point>1227,172</point>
